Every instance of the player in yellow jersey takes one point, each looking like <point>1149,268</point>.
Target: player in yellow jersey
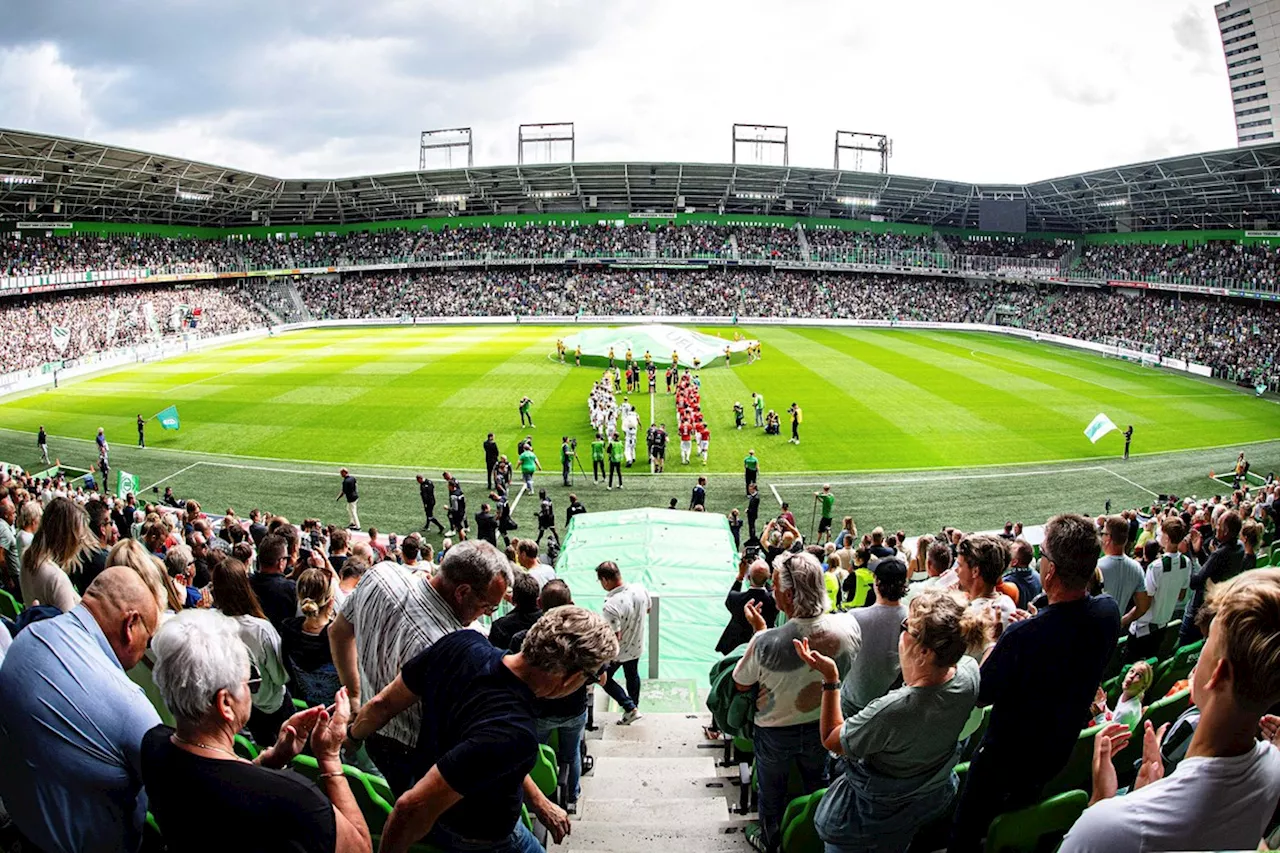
<point>577,355</point>
<point>560,349</point>
<point>675,359</point>
<point>726,356</point>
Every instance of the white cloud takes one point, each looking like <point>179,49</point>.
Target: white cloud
<point>988,90</point>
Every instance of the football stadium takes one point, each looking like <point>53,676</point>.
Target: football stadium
<point>637,505</point>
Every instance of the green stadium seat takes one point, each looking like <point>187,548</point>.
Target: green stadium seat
<point>1173,670</point>
<point>246,748</point>
<point>1169,640</point>
<point>1078,772</point>
<point>1037,827</point>
<point>976,734</point>
<point>9,606</point>
<point>1112,669</point>
<point>798,832</point>
<point>374,808</point>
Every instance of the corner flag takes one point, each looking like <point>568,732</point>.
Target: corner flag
<point>169,418</point>
<point>1100,426</point>
<point>126,484</point>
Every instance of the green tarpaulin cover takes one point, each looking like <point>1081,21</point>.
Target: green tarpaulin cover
<point>687,558</point>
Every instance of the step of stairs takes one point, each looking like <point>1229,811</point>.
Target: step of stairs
<point>653,789</point>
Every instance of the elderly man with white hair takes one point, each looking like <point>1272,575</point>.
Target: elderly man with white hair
<point>789,701</point>
<point>204,674</point>
<point>71,723</point>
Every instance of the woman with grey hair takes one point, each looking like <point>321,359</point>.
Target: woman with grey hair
<point>788,692</point>
<point>192,771</point>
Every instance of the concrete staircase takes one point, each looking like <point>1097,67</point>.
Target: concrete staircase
<point>654,789</point>
<point>803,241</point>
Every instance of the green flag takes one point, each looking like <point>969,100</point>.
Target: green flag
<point>169,418</point>
<point>126,484</point>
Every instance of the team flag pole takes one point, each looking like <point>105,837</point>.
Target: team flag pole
<point>1100,426</point>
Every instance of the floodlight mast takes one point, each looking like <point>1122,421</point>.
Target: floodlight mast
<point>549,134</point>
<point>761,138</point>
<point>860,143</point>
<point>446,140</point>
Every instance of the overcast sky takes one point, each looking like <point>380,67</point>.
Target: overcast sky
<point>981,90</point>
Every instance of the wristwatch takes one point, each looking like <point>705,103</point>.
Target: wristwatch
<point>351,737</point>
<point>830,685</point>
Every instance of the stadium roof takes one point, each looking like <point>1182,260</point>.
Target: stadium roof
<point>48,178</point>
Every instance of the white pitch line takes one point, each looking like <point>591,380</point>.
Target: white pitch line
<point>901,481</point>
<point>406,478</point>
<point>1130,482</point>
<point>171,476</point>
<point>777,496</point>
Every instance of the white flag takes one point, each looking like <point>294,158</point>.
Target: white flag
<point>149,315</point>
<point>1100,426</point>
<point>59,336</point>
<point>113,320</point>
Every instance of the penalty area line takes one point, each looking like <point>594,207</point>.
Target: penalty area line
<point>1130,482</point>
<point>171,476</point>
<point>777,496</point>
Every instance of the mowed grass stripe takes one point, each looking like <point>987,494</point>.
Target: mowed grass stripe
<point>1176,402</point>
<point>985,424</point>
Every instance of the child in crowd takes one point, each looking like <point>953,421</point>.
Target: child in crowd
<point>1128,709</point>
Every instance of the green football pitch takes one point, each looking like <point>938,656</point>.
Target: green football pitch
<point>912,428</point>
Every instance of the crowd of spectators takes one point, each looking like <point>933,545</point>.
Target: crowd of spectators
<point>26,322</point>
<point>1216,263</point>
<point>834,245</point>
<point>1008,247</point>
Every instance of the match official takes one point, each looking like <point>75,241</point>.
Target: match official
<point>427,491</point>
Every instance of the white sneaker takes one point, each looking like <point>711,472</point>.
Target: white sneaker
<point>630,717</point>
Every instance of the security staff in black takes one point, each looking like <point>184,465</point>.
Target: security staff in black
<point>427,491</point>
<point>490,459</point>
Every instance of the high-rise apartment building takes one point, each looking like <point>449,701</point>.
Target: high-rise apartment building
<point>1251,43</point>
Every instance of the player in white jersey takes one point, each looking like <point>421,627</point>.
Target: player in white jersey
<point>630,428</point>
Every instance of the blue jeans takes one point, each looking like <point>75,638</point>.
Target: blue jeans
<point>776,748</point>
<point>569,748</point>
<point>528,480</point>
<point>520,840</point>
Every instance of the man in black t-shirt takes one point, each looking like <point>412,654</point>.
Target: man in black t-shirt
<point>487,525</point>
<point>479,736</point>
<point>352,496</point>
<point>1043,672</point>
<point>575,508</point>
<point>277,594</point>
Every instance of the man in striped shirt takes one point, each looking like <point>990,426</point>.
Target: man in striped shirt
<point>390,617</point>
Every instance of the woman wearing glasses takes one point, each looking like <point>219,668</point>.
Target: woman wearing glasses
<point>897,754</point>
<point>235,598</point>
<point>204,674</point>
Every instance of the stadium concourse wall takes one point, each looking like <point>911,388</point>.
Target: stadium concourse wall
<point>47,375</point>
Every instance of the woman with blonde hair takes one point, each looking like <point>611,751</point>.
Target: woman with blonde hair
<point>304,640</point>
<point>61,545</point>
<point>132,553</point>
<point>848,530</point>
<point>897,755</point>
<point>233,595</point>
<point>917,567</point>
